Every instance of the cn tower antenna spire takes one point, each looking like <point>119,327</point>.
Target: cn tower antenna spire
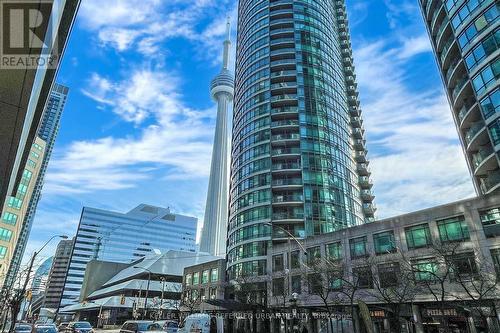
<point>227,45</point>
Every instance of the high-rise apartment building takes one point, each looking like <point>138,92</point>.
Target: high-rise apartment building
<point>299,161</point>
<point>57,275</point>
<point>111,236</point>
<point>24,90</point>
<point>15,210</point>
<point>465,37</point>
<point>47,131</point>
<point>213,238</point>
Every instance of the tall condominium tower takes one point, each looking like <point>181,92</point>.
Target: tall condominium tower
<point>49,127</point>
<point>466,38</point>
<point>57,274</point>
<point>298,153</point>
<point>118,237</point>
<point>213,238</point>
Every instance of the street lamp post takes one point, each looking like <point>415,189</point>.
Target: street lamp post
<point>147,291</point>
<point>30,267</point>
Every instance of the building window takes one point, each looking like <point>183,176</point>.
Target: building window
<point>490,217</point>
<point>313,255</point>
<point>196,278</point>
<point>358,247</point>
<point>495,255</point>
<point>213,293</point>
<point>487,77</point>
<point>9,218</point>
<point>35,155</point>
<point>424,270</point>
<point>384,242</point>
<point>418,236</point>
<point>453,229</point>
<point>31,163</point>
<point>295,259</point>
<point>3,252</point>
<point>334,251</point>
<point>491,104</point>
<point>388,274</point>
<point>214,275</point>
<point>315,283</point>
<point>463,265</point>
<point>278,265</point>
<point>5,234</point>
<point>204,276</point>
<point>296,284</point>
<point>363,277</point>
<point>278,287</point>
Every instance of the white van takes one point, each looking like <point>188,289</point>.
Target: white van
<point>201,323</point>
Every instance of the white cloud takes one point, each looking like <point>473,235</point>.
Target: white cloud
<point>179,140</point>
<point>415,153</point>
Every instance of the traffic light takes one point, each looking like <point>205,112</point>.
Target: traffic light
<point>29,295</point>
<point>122,300</point>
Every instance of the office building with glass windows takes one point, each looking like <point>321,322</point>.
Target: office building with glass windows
<point>299,160</point>
<point>465,37</point>
<point>15,210</point>
<point>47,131</point>
<point>123,238</point>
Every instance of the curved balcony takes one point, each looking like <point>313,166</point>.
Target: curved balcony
<point>279,234</point>
<point>453,70</point>
<point>450,48</point>
<point>428,7</point>
<point>287,217</point>
<point>460,87</point>
<point>349,70</point>
<point>491,182</point>
<point>357,133</point>
<point>356,121</point>
<point>363,169</point>
<point>284,87</point>
<point>285,152</point>
<point>281,13</point>
<point>476,135</point>
<point>359,144</point>
<point>354,111</point>
<point>288,200</point>
<point>287,182</point>
<point>284,111</point>
<point>287,123</point>
<point>286,167</point>
<point>284,74</point>
<point>286,50</point>
<point>360,156</point>
<point>283,63</point>
<point>353,100</point>
<point>484,160</point>
<point>365,182</point>
<point>286,137</point>
<point>367,195</point>
<point>436,14</point>
<point>444,27</point>
<point>369,208</point>
<point>468,115</point>
<point>281,31</point>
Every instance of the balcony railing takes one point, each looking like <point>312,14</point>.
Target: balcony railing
<point>285,151</point>
<point>473,130</point>
<point>492,180</point>
<point>451,69</point>
<point>288,122</point>
<point>286,166</point>
<point>442,27</point>
<point>284,109</point>
<point>283,97</point>
<point>288,136</point>
<point>288,216</point>
<point>284,85</point>
<point>298,233</point>
<point>287,181</point>
<point>288,198</point>
<point>458,87</point>
<point>446,48</point>
<point>481,155</point>
<point>283,73</point>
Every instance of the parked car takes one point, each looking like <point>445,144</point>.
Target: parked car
<point>201,323</point>
<point>140,326</point>
<point>78,327</point>
<point>46,328</point>
<point>169,326</point>
<point>23,328</point>
<point>62,326</point>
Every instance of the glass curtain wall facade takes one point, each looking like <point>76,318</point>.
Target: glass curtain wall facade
<point>466,38</point>
<point>117,237</point>
<point>298,155</point>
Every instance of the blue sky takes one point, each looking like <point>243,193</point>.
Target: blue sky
<point>138,125</point>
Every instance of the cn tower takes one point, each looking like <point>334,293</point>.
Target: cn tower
<point>213,238</point>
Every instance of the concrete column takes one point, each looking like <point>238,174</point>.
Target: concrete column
<point>417,319</point>
<point>387,325</point>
